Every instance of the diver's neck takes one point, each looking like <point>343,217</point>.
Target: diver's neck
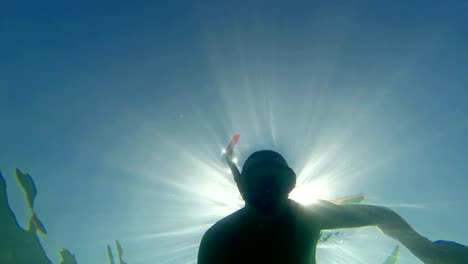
<point>270,215</point>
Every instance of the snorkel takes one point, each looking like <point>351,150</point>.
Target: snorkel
<point>229,155</point>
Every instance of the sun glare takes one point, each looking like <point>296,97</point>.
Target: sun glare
<point>309,192</point>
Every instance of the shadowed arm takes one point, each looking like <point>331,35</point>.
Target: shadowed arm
<point>333,216</point>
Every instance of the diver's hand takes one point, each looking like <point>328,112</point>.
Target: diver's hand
<point>449,252</point>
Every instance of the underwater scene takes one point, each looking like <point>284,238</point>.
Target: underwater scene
<point>234,132</point>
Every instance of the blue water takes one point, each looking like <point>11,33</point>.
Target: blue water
<point>120,112</point>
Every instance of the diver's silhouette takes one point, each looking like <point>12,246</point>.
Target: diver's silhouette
<point>273,229</point>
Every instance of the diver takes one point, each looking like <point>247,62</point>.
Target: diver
<point>274,229</point>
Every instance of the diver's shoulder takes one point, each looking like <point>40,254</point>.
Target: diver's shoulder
<point>312,212</point>
<point>226,224</point>
<point>297,207</point>
<point>295,204</point>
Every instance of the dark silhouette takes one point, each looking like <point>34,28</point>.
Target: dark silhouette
<point>273,229</point>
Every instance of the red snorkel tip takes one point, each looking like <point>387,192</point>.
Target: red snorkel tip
<point>229,156</point>
<point>235,139</point>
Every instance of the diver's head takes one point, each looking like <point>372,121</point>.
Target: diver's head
<point>266,181</point>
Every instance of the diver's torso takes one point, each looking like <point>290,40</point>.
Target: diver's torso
<point>290,239</point>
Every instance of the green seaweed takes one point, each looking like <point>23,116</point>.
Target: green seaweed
<point>37,225</point>
<point>119,252</point>
<point>17,245</point>
<point>110,255</point>
<point>27,184</point>
<point>67,257</point>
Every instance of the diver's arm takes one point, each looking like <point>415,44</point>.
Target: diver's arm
<point>204,252</point>
<point>439,252</point>
<point>209,252</point>
<point>333,216</point>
